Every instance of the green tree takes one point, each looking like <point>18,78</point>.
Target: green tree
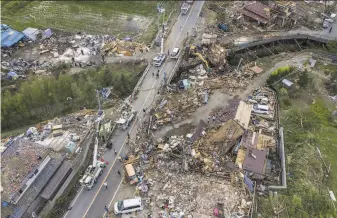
<point>304,79</point>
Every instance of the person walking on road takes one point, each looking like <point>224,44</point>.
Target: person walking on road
<point>106,185</point>
<point>119,172</point>
<point>168,52</point>
<point>115,151</point>
<point>106,209</point>
<point>330,29</point>
<point>152,73</point>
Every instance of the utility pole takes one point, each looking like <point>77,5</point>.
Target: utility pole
<point>162,42</point>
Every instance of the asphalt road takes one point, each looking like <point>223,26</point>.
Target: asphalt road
<point>90,203</point>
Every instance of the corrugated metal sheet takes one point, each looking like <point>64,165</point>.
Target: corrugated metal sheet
<point>9,37</point>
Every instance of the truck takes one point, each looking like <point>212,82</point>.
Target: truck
<point>175,53</point>
<point>91,175</point>
<point>126,119</point>
<point>184,8</point>
<point>159,60</point>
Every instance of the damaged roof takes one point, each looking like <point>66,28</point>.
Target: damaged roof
<point>255,161</point>
<point>19,160</point>
<point>226,135</point>
<point>243,114</point>
<point>250,139</point>
<point>257,11</point>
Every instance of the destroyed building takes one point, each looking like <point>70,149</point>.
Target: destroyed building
<point>26,169</point>
<point>258,12</point>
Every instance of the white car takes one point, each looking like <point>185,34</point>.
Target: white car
<point>128,206</point>
<point>175,53</point>
<point>159,60</point>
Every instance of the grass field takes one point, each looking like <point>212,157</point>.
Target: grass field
<point>306,115</point>
<point>119,18</point>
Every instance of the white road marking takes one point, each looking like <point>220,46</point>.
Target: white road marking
<point>147,99</point>
<point>74,200</point>
<point>113,196</point>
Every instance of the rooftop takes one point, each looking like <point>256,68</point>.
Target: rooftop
<point>226,135</point>
<point>20,159</point>
<point>255,161</point>
<point>257,11</point>
<point>243,113</point>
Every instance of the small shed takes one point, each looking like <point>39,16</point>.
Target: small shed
<point>31,33</point>
<point>287,83</point>
<point>9,37</point>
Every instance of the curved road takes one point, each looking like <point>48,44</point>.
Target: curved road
<point>90,204</point>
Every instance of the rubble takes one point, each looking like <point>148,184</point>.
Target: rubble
<point>62,134</point>
<point>192,194</point>
<point>264,101</point>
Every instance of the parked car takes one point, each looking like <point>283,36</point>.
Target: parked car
<point>128,206</point>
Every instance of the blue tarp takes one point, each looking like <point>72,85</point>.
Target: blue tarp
<point>11,75</point>
<point>249,183</point>
<point>9,37</point>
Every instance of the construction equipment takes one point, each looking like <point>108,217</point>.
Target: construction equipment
<point>195,53</point>
<point>91,175</point>
<point>93,171</point>
<point>184,8</point>
<point>96,169</point>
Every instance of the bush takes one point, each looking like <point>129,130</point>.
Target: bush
<point>332,45</point>
<point>45,97</point>
<point>304,79</point>
<point>279,74</point>
<point>286,102</point>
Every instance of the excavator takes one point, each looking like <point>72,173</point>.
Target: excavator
<point>193,51</point>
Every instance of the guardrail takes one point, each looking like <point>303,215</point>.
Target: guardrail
<point>140,80</point>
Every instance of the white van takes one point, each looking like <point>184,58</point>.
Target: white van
<point>128,206</point>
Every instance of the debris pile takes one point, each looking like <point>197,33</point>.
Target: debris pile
<point>63,133</point>
<point>210,151</point>
<point>226,113</point>
<point>174,195</point>
<point>123,48</point>
<point>264,101</point>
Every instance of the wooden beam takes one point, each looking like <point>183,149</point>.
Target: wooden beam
<point>298,44</point>
<point>268,49</point>
<point>250,51</point>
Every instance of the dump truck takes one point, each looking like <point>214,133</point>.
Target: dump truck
<point>184,8</point>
